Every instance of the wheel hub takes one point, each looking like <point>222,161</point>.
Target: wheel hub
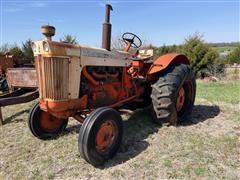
<point>180,99</point>
<point>49,123</point>
<point>105,136</point>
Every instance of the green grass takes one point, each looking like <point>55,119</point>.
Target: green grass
<point>223,49</point>
<point>167,163</point>
<point>200,171</point>
<point>228,92</point>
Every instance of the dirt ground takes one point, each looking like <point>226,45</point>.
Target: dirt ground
<point>208,147</point>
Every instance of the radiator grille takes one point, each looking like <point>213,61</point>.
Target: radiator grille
<point>53,76</point>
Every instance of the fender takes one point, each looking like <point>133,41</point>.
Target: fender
<point>165,60</point>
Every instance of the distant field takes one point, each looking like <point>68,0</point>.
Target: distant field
<point>207,147</point>
<point>224,49</point>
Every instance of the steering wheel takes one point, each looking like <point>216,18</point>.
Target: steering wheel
<point>133,39</point>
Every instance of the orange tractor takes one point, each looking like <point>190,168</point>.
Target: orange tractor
<point>91,84</point>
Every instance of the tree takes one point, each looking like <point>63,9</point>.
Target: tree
<point>165,50</point>
<point>158,51</point>
<point>16,52</point>
<point>27,50</point>
<point>199,53</point>
<point>234,56</point>
<point>118,43</point>
<point>69,39</point>
<point>4,49</point>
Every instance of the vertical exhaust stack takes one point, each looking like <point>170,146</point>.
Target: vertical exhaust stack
<point>107,29</point>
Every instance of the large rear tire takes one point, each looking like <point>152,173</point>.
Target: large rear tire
<point>100,136</point>
<point>43,125</point>
<point>173,95</point>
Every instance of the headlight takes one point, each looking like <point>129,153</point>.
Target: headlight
<point>34,47</point>
<point>45,47</point>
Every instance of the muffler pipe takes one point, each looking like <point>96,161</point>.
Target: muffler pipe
<point>107,29</point>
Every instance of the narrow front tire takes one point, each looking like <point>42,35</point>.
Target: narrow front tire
<point>100,136</point>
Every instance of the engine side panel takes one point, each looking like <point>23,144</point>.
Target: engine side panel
<point>110,85</point>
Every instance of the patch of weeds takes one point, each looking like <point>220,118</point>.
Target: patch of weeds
<point>236,117</point>
<point>187,169</point>
<point>47,160</point>
<point>229,143</point>
<point>75,174</point>
<point>118,173</point>
<point>51,175</point>
<point>148,163</point>
<point>197,144</point>
<point>152,175</point>
<point>135,165</point>
<point>35,174</point>
<point>196,141</point>
<point>167,163</point>
<point>173,174</point>
<point>200,171</point>
<point>210,159</point>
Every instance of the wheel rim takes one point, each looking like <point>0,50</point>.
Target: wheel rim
<point>50,123</point>
<point>180,99</point>
<point>105,136</point>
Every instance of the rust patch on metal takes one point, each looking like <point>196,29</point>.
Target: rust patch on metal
<point>22,77</point>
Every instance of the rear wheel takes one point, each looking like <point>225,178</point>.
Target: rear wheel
<point>173,95</point>
<point>100,136</point>
<point>43,125</point>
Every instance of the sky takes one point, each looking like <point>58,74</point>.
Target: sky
<point>156,21</point>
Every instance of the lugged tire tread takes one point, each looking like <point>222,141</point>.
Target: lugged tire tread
<point>166,88</point>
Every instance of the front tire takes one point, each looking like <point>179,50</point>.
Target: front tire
<point>100,136</point>
<point>173,95</point>
<point>43,125</point>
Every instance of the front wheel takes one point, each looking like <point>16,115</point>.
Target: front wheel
<point>173,95</point>
<point>43,125</point>
<point>100,136</point>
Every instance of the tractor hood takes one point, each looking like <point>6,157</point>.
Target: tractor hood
<point>57,49</point>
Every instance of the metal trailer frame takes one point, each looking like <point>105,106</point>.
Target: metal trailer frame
<point>16,98</point>
<point>23,88</point>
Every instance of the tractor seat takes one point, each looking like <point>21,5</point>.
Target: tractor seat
<point>143,55</point>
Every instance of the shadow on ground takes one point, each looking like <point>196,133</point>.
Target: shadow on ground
<point>139,127</point>
<point>202,113</point>
<point>14,117</point>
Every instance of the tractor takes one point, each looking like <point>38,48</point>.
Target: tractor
<point>91,84</point>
